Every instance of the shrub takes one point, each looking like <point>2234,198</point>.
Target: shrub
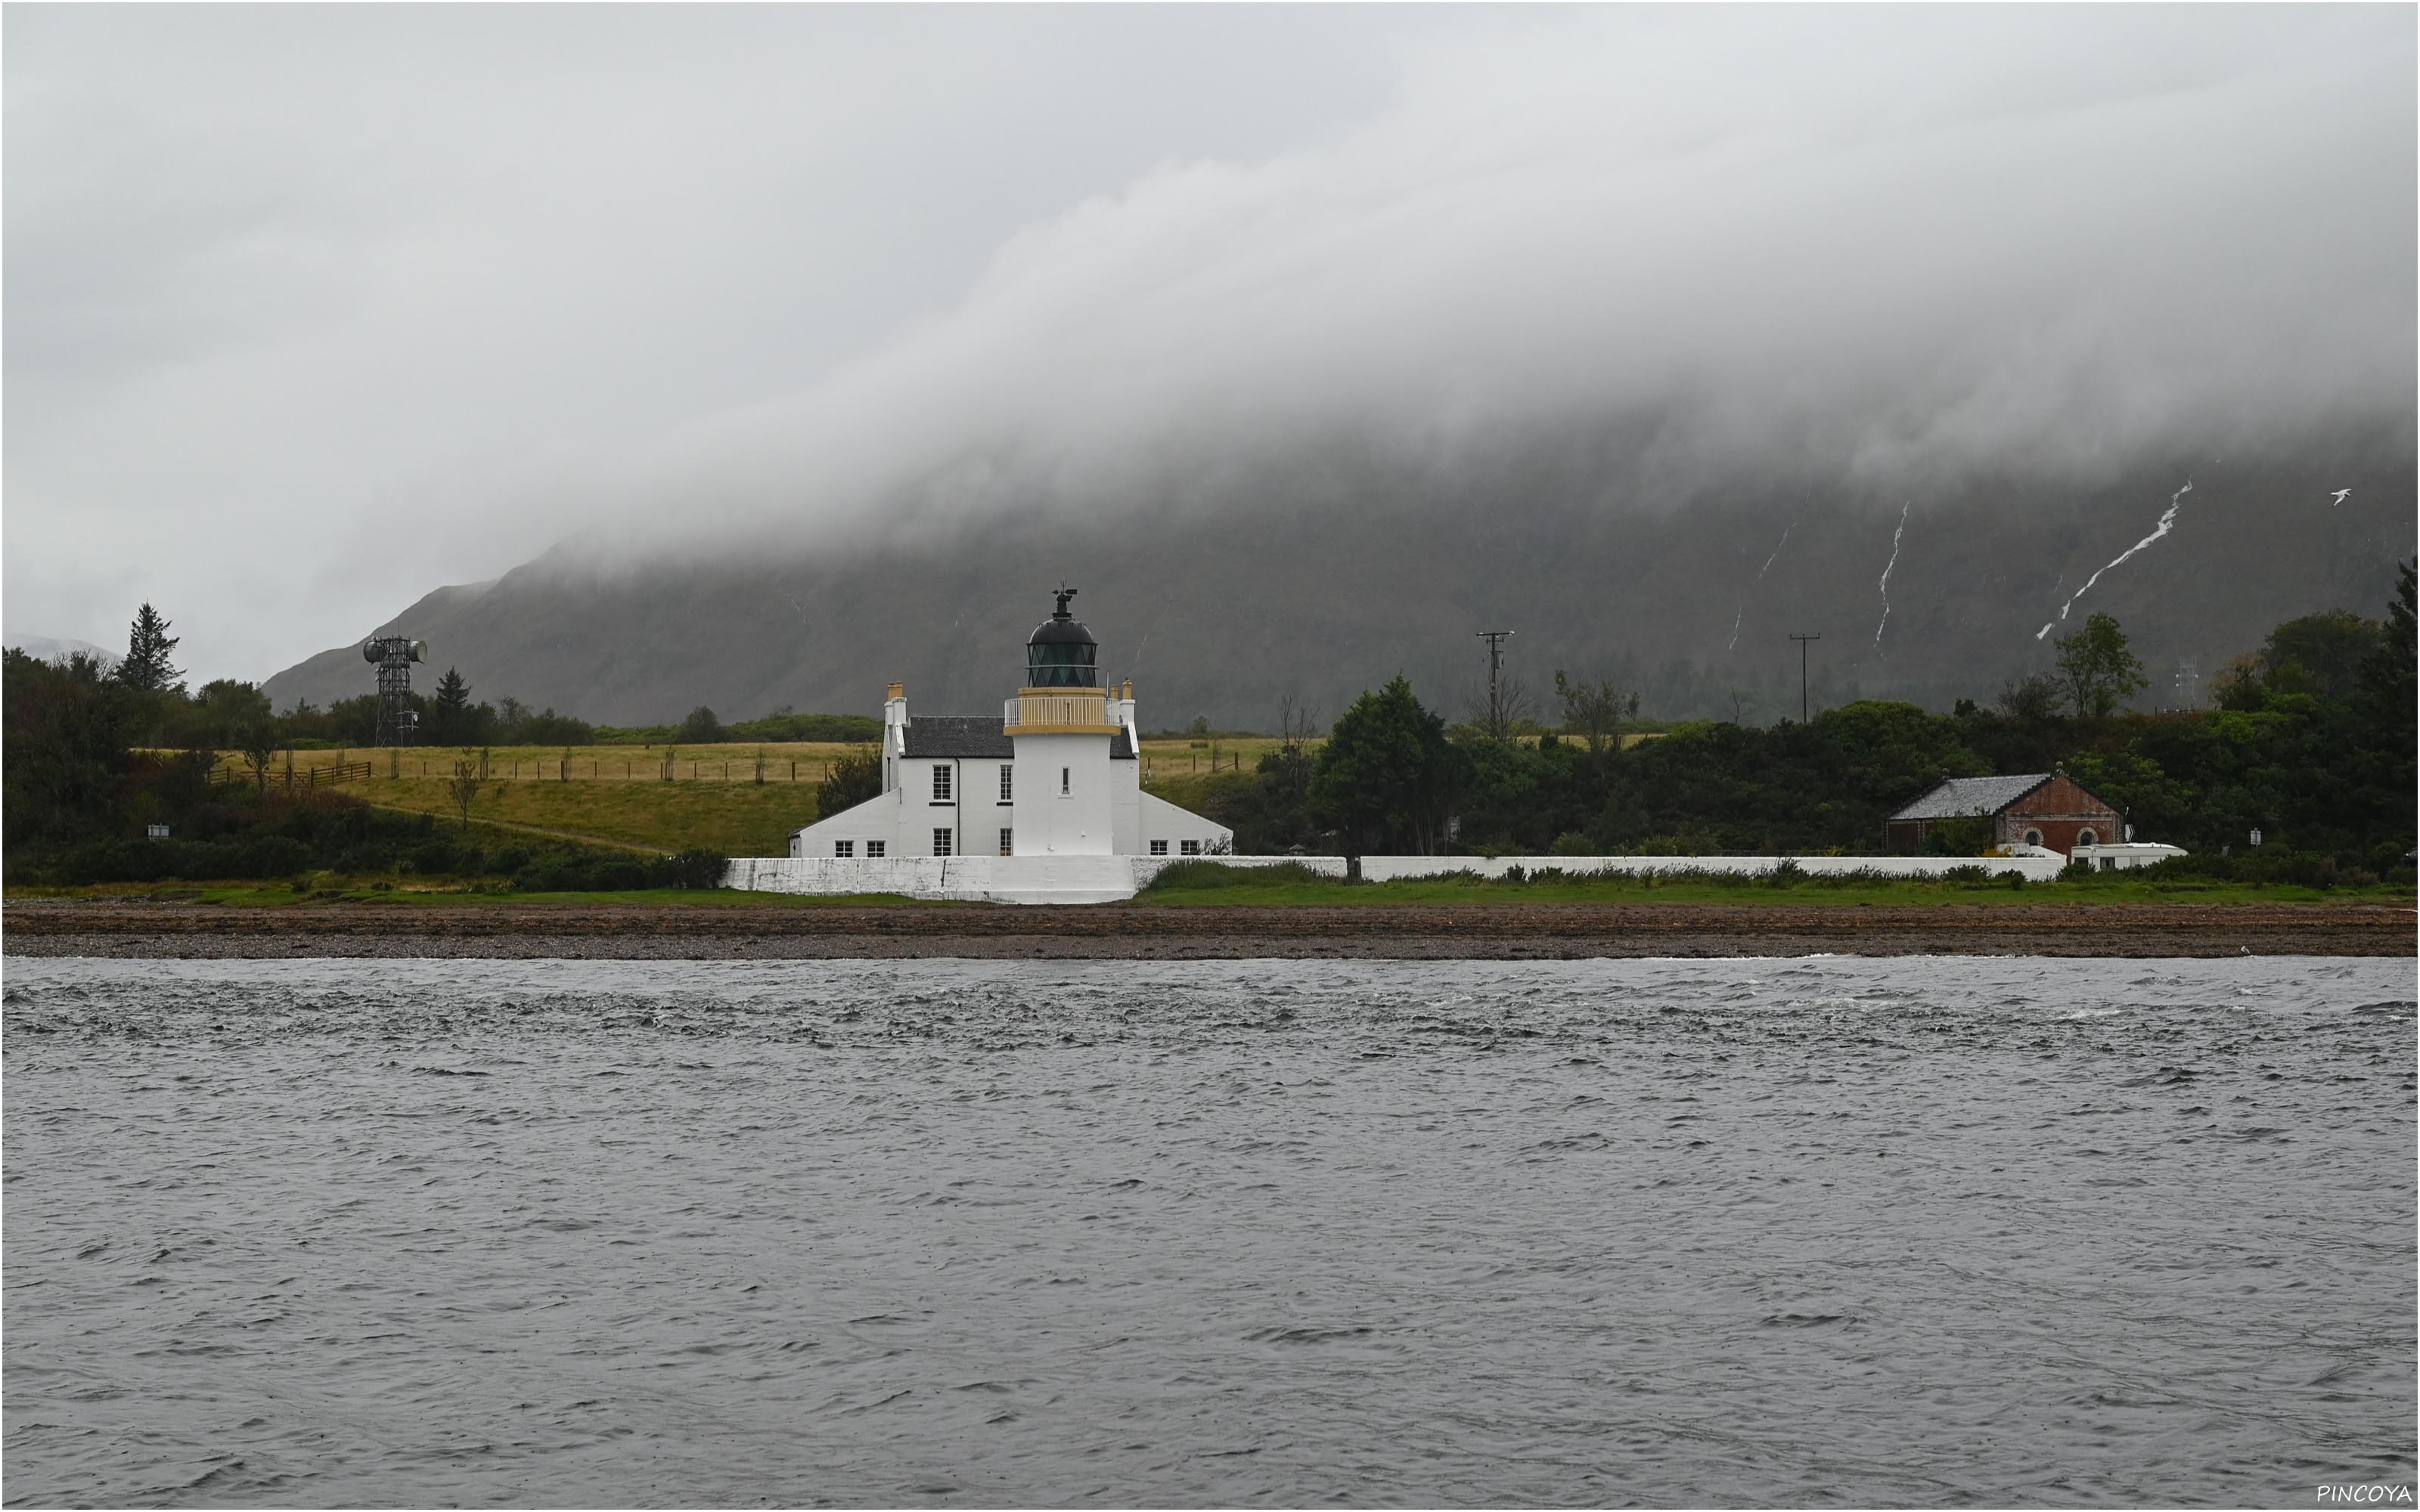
<point>602,872</point>
<point>693,869</point>
<point>1195,875</point>
<point>367,857</point>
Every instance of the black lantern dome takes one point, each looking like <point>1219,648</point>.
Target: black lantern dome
<point>1061,652</point>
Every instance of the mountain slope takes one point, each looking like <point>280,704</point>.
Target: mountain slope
<point>1332,578</point>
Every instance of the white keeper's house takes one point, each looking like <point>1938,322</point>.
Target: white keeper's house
<point>1055,773</point>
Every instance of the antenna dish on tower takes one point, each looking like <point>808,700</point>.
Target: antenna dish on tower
<point>398,722</point>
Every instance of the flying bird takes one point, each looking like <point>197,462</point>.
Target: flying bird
<point>2341,495</point>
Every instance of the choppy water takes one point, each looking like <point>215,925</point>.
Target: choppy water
<point>1869,1231</point>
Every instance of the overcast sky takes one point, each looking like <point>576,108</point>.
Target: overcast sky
<point>309,309</point>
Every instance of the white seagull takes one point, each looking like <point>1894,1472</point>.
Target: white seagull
<point>2341,495</point>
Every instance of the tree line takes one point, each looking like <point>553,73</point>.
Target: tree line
<point>227,713</point>
<point>2311,741</point>
<point>92,756</point>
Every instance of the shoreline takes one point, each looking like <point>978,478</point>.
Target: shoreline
<point>1399,932</point>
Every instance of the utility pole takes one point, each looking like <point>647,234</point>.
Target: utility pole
<point>1802,641</point>
<point>1494,640</point>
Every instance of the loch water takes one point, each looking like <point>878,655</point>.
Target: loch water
<point>1911,1232</point>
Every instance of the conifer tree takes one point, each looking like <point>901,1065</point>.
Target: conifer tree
<point>452,704</point>
<point>146,667</point>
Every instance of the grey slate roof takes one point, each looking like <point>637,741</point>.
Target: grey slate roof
<point>941,736</point>
<point>957,735</point>
<point>1972,797</point>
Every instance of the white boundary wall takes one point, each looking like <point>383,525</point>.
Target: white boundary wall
<point>1093,879</point>
<point>2041,865</point>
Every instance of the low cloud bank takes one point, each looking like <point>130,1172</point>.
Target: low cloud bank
<point>1884,247</point>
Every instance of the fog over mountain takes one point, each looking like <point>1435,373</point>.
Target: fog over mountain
<point>1561,323</point>
<point>1894,251</point>
<point>1333,570</point>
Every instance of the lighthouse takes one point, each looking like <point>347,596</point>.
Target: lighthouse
<point>1056,773</point>
<point>1065,725</point>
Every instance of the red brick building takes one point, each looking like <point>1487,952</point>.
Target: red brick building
<point>2045,808</point>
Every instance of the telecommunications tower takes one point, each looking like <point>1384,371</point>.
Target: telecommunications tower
<point>398,724</point>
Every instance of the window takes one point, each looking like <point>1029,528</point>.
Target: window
<point>1062,782</point>
<point>2033,837</point>
<point>1159,847</point>
<point>941,843</point>
<point>1008,843</point>
<point>1007,785</point>
<point>890,773</point>
<point>2085,837</point>
<point>843,848</point>
<point>1189,847</point>
<point>874,849</point>
<point>941,783</point>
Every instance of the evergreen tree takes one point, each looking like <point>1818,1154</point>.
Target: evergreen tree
<point>453,700</point>
<point>853,777</point>
<point>146,668</point>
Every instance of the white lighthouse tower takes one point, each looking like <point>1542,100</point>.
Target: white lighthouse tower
<point>1063,724</point>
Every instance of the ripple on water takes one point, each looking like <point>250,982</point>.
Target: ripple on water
<point>1995,1230</point>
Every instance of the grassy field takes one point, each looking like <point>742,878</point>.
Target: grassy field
<point>619,795</point>
<point>800,763</point>
<point>737,819</point>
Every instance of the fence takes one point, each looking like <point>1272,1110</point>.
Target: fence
<point>415,764</point>
<point>292,778</point>
<point>642,767</point>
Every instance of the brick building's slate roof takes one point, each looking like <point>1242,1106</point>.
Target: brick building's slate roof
<point>1972,797</point>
